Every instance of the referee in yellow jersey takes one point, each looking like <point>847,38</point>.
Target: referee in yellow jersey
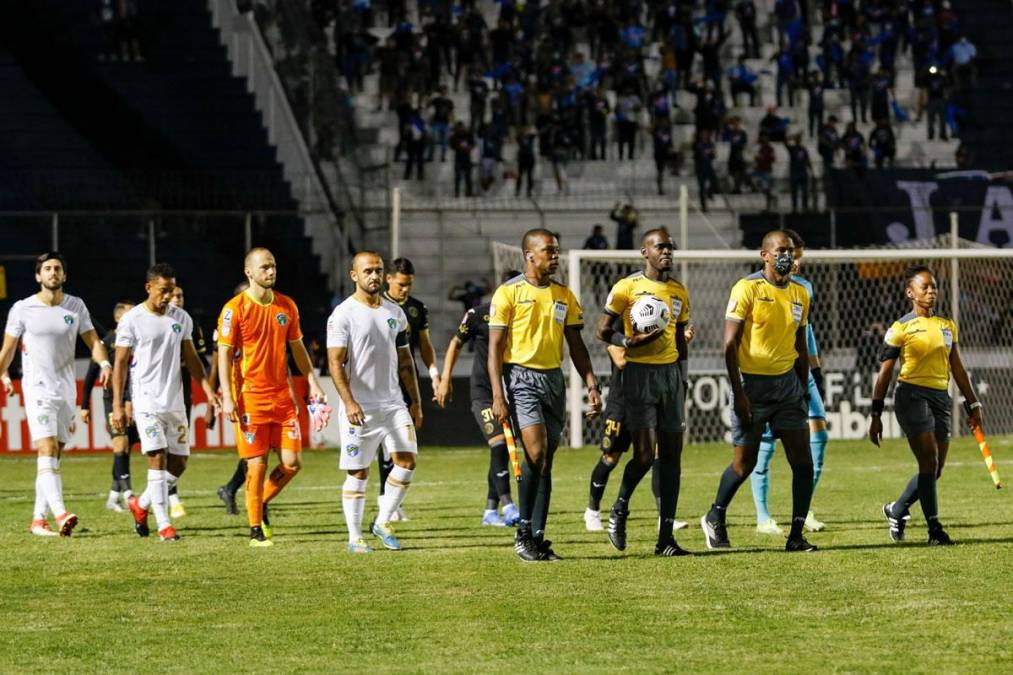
<point>529,318</point>
<point>652,387</point>
<point>926,345</point>
<point>768,368</point>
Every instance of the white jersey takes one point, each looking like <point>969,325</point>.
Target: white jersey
<point>372,336</point>
<point>156,385</point>
<point>48,337</point>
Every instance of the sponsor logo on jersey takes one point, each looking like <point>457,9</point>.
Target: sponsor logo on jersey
<point>43,419</point>
<point>68,319</point>
<point>392,323</point>
<point>176,328</point>
<point>281,318</point>
<point>249,437</point>
<point>352,450</point>
<point>151,432</point>
<point>488,428</point>
<point>413,312</point>
<point>294,433</point>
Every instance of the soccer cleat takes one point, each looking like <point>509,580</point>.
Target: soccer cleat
<point>168,533</point>
<point>670,549</point>
<point>40,528</point>
<point>114,505</point>
<point>229,499</point>
<point>714,533</point>
<point>66,522</point>
<point>546,553</point>
<point>897,525</point>
<point>257,538</point>
<point>359,546</point>
<point>140,517</point>
<point>938,537</point>
<point>511,515</point>
<point>177,510</point>
<point>812,524</point>
<point>617,529</point>
<point>769,526</point>
<point>679,525</point>
<point>492,518</point>
<point>592,520</point>
<point>799,545</point>
<point>525,546</point>
<point>385,533</point>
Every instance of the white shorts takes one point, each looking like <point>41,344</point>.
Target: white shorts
<point>163,431</point>
<point>49,418</point>
<point>390,428</point>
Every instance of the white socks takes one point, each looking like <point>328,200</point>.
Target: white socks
<point>353,503</point>
<point>170,482</point>
<point>40,500</point>
<point>397,485</point>
<point>158,494</point>
<point>48,482</point>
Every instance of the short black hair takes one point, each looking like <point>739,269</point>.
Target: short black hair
<point>46,257</point>
<point>536,232</point>
<point>653,231</point>
<point>160,271</point>
<point>795,237</point>
<point>911,272</point>
<point>402,266</point>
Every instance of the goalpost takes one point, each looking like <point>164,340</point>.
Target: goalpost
<point>858,294</point>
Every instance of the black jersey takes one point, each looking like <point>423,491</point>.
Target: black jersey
<point>200,345</point>
<point>94,370</point>
<point>474,328</point>
<point>418,319</point>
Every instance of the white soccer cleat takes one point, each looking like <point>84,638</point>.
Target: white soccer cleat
<point>679,525</point>
<point>769,526</point>
<point>40,528</point>
<point>399,516</point>
<point>812,524</point>
<point>177,510</point>
<point>114,505</point>
<point>592,521</point>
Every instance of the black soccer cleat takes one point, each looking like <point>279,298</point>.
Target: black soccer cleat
<point>799,545</point>
<point>257,538</point>
<point>714,533</point>
<point>526,547</point>
<point>229,499</point>
<point>670,549</point>
<point>938,537</point>
<point>545,552</point>
<point>617,529</point>
<point>897,525</point>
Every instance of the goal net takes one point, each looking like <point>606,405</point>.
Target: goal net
<point>857,295</point>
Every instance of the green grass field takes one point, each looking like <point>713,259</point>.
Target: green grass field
<point>456,599</point>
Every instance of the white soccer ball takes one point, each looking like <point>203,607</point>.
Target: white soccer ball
<point>649,314</point>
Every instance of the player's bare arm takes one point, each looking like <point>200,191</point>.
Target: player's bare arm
<point>209,414</point>
<point>618,355</point>
<point>406,373</point>
<point>582,361</point>
<point>802,362</point>
<point>497,345</point>
<point>445,389</point>
<point>886,367</point>
<point>305,366</point>
<point>974,419</point>
<point>336,358</point>
<point>121,367</point>
<point>99,355</point>
<point>6,356</point>
<point>428,353</point>
<point>225,375</point>
<point>732,336</point>
<point>195,365</point>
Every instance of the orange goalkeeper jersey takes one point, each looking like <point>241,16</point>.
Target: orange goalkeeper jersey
<point>261,332</point>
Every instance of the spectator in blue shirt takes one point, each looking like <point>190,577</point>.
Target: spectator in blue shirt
<point>963,54</point>
<point>743,81</point>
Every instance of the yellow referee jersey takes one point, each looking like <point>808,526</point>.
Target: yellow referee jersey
<point>630,289</point>
<point>772,316</point>
<point>534,318</point>
<point>925,343</point>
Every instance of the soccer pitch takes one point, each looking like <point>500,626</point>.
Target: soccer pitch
<point>457,598</point>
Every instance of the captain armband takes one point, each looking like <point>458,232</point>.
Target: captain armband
<point>889,353</point>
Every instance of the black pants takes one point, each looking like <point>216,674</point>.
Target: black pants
<point>462,172</point>
<point>800,185</point>
<point>627,137</point>
<point>860,104</point>
<point>707,182</point>
<point>743,88</point>
<point>937,111</point>
<point>525,169</point>
<point>416,149</point>
<point>598,143</point>
<point>750,39</point>
<point>815,121</point>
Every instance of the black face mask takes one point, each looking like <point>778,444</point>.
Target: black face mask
<point>783,263</point>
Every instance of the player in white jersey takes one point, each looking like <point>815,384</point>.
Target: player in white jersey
<point>368,352</point>
<point>149,340</point>
<point>47,324</point>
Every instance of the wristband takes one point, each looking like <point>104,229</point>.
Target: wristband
<point>877,407</point>
<point>434,372</point>
<point>972,406</point>
<point>105,364</point>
